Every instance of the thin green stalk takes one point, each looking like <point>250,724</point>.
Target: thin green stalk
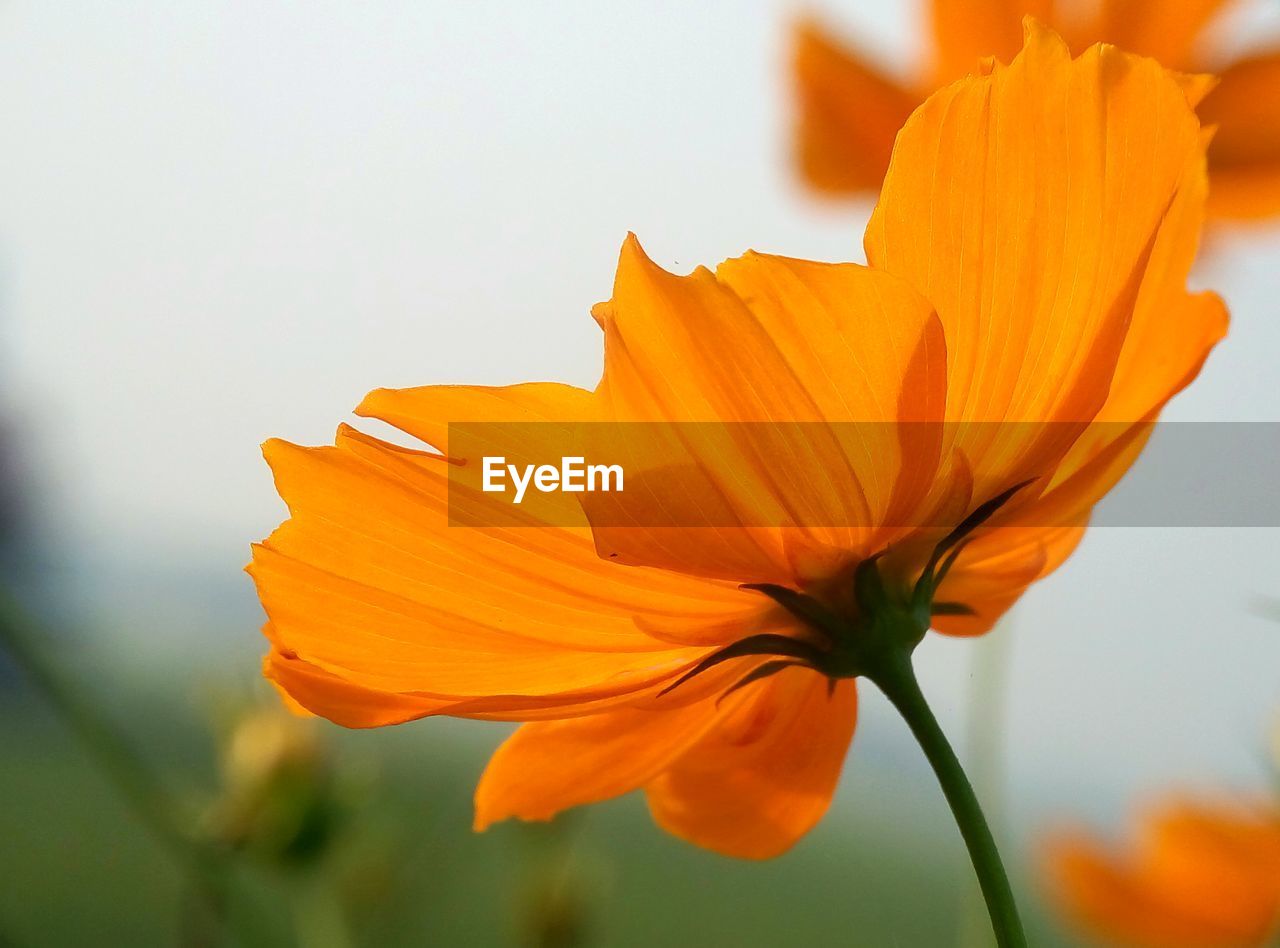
<point>138,788</point>
<point>896,677</point>
<point>18,635</point>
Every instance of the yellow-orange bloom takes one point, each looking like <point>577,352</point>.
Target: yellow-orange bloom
<point>1200,876</point>
<point>849,110</point>
<point>1027,264</point>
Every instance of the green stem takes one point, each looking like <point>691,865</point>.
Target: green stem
<point>897,679</point>
<point>117,761</point>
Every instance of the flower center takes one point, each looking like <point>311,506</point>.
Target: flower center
<point>889,621</point>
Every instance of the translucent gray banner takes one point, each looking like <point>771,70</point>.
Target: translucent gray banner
<point>862,474</point>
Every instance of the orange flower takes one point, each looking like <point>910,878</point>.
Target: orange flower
<point>1027,264</point>
<point>1201,876</point>
<point>849,110</point>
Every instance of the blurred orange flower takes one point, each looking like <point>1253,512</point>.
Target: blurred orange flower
<point>1027,264</point>
<point>849,109</point>
<point>1200,876</point>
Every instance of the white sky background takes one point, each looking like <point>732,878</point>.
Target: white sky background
<point>224,222</point>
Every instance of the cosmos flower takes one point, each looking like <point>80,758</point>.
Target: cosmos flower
<point>1027,267</point>
<point>1201,875</point>
<point>849,109</point>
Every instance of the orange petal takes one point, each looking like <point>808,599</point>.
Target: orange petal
<point>384,640</point>
<point>1244,156</point>
<point>1169,338</point>
<point>533,423</point>
<point>1172,330</point>
<point>848,113</point>
<point>965,32</point>
<point>794,342</point>
<point>427,411</point>
<point>996,569</point>
<point>764,777</point>
<point>367,581</point>
<point>872,356</point>
<point>1163,354</point>
<point>311,688</point>
<point>1026,206</point>
<point>550,766</point>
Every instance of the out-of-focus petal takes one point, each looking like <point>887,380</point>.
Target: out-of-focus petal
<point>1244,156</point>
<point>1228,855</point>
<point>964,32</point>
<point>1199,877</point>
<point>765,775</point>
<point>1168,32</point>
<point>847,113</point>
<point>1245,193</point>
<point>1109,901</point>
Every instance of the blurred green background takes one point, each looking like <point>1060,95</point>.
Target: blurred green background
<point>403,868</point>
